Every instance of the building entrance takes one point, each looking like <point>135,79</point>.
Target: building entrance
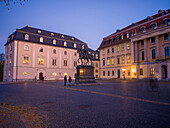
<point>40,76</point>
<point>164,71</point>
<point>118,73</point>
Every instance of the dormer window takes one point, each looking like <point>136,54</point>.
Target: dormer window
<point>113,39</point>
<point>62,36</point>
<point>65,43</point>
<point>165,21</point>
<point>54,42</point>
<point>75,45</point>
<point>72,38</point>
<point>153,25</point>
<point>26,37</point>
<point>104,42</point>
<point>148,18</point>
<point>117,38</point>
<point>118,30</point>
<point>82,46</point>
<point>41,39</point>
<point>163,13</point>
<point>39,31</point>
<point>142,29</point>
<point>133,24</point>
<point>127,35</point>
<point>121,37</point>
<point>52,34</point>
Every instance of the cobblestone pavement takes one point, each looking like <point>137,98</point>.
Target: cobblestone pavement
<point>113,104</point>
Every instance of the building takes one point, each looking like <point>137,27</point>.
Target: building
<point>32,53</point>
<point>2,58</point>
<point>140,50</point>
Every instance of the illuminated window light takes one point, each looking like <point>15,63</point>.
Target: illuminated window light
<point>41,60</point>
<point>118,49</point>
<point>128,46</point>
<point>75,45</point>
<point>54,74</point>
<point>65,43</point>
<point>54,42</point>
<point>25,73</point>
<point>26,60</point>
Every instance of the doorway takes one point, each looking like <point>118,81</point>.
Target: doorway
<point>40,76</point>
<point>164,71</point>
<point>118,73</point>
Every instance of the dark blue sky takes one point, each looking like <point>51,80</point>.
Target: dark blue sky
<point>88,20</point>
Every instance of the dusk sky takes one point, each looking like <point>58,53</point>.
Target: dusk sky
<point>87,20</point>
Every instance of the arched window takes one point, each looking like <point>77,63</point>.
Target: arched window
<point>65,52</point>
<point>54,51</point>
<point>26,37</point>
<point>54,42</point>
<point>41,49</point>
<point>142,29</point>
<point>153,25</point>
<point>165,21</point>
<point>41,39</point>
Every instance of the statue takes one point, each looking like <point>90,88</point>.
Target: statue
<point>84,55</point>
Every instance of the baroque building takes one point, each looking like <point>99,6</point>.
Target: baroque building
<point>32,53</point>
<point>140,50</point>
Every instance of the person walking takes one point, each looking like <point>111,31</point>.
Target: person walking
<point>69,81</point>
<point>65,80</point>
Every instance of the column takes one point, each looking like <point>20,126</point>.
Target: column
<point>60,58</point>
<point>71,59</point>
<point>136,52</point>
<point>145,50</point>
<point>125,47</point>
<point>132,52</point>
<point>157,46</point>
<point>48,57</point>
<point>33,57</point>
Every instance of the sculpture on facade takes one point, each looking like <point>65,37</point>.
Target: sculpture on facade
<point>84,56</point>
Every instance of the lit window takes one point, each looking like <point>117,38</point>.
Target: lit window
<point>65,52</point>
<point>54,42</point>
<point>65,74</point>
<point>39,31</point>
<point>65,62</point>
<point>128,59</point>
<point>97,56</point>
<point>108,61</point>
<point>26,60</point>
<point>103,52</point>
<point>25,73</point>
<point>54,74</point>
<point>54,62</point>
<point>26,47</point>
<point>122,37</point>
<point>128,46</point>
<point>26,37</point>
<point>75,54</point>
<point>122,47</point>
<point>10,61</point>
<point>127,35</point>
<point>75,63</point>
<point>41,39</point>
<point>41,49</point>
<point>41,60</point>
<point>123,60</point>
<point>141,71</point>
<point>82,46</point>
<point>9,72</point>
<point>65,43</point>
<point>151,71</point>
<point>62,36</point>
<point>72,38</point>
<point>52,34</point>
<point>54,51</point>
<point>113,61</point>
<point>75,45</point>
<point>118,48</point>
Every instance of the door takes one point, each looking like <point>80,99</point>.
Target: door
<point>118,73</point>
<point>40,76</point>
<point>164,72</point>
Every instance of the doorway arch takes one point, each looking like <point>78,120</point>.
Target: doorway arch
<point>40,76</point>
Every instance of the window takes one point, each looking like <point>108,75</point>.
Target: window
<point>128,59</point>
<point>122,37</point>
<point>54,42</point>
<point>54,51</point>
<point>26,60</point>
<point>41,39</point>
<point>153,53</point>
<point>108,61</point>
<point>118,61</point>
<point>25,73</point>
<point>142,42</point>
<point>142,29</point>
<point>11,48</point>
<point>103,52</point>
<point>52,34</point>
<point>54,74</point>
<point>96,71</point>
<point>108,41</point>
<point>128,72</point>
<point>40,61</point>
<point>65,62</point>
<point>97,56</point>
<point>108,51</point>
<point>142,53</point>
<point>167,51</point>
<point>75,45</point>
<point>122,47</point>
<point>112,50</point>
<point>65,43</point>
<point>26,47</point>
<point>104,62</point>
<point>151,71</point>
<point>113,61</point>
<point>113,73</point>
<point>62,36</point>
<point>153,25</point>
<point>166,37</point>
<point>39,31</point>
<point>41,49</point>
<point>54,62</point>
<point>9,72</point>
<point>82,46</point>
<point>128,46</point>
<point>103,73</point>
<point>141,71</point>
<point>65,52</point>
<point>75,54</point>
<point>26,37</point>
<point>117,38</point>
<point>123,60</point>
<point>10,59</point>
<point>113,39</point>
<point>72,38</point>
<point>165,21</point>
<point>108,73</point>
<point>118,48</point>
<point>8,39</point>
<point>127,35</point>
<point>152,40</point>
<point>75,63</point>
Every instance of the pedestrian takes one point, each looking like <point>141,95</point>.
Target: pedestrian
<point>69,81</point>
<point>65,80</point>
